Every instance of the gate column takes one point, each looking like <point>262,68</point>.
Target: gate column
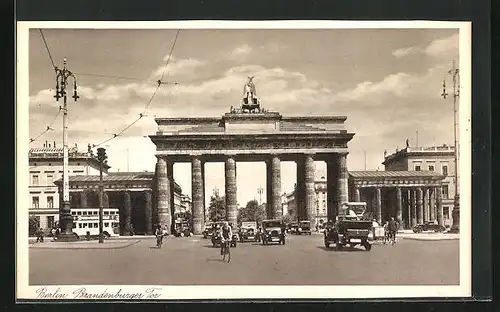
<point>197,194</point>
<point>230,176</point>
<point>332,173</point>
<point>163,194</point>
<point>309,190</point>
<point>274,188</point>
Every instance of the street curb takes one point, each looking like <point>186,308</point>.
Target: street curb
<point>34,246</point>
<point>429,239</point>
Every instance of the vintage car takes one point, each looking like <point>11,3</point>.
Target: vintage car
<point>248,232</point>
<point>208,230</point>
<point>350,229</point>
<point>304,227</point>
<point>216,236</point>
<point>428,226</point>
<point>273,231</point>
<point>294,228</point>
<point>182,229</point>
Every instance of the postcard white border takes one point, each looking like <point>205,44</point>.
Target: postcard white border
<point>24,291</point>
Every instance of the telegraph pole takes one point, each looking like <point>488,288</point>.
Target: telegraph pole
<point>101,157</point>
<point>455,74</point>
<point>65,218</point>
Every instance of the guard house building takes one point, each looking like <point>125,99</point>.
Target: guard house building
<point>410,189</point>
<point>129,192</point>
<point>439,159</point>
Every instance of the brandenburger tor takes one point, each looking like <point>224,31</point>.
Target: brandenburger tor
<point>251,133</point>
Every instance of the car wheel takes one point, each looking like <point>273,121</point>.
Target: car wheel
<point>368,246</point>
<point>106,235</point>
<point>327,244</point>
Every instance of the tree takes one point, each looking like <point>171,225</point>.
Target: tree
<point>288,219</point>
<point>252,212</point>
<point>217,208</point>
<point>34,225</point>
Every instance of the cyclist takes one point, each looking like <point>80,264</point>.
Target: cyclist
<point>393,228</point>
<point>226,234</point>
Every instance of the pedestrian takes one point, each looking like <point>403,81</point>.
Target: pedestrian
<point>392,226</point>
<point>159,235</point>
<point>39,235</point>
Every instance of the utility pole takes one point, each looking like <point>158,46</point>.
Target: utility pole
<point>455,74</point>
<point>365,160</point>
<point>65,217</point>
<point>101,157</point>
<point>260,190</point>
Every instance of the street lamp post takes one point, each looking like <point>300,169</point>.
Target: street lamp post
<point>65,217</point>
<point>101,157</point>
<point>455,74</point>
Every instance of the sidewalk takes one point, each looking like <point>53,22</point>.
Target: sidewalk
<point>426,236</point>
<point>93,244</point>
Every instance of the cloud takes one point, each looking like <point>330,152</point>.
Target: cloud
<point>239,52</point>
<point>177,67</point>
<point>443,46</point>
<point>403,52</point>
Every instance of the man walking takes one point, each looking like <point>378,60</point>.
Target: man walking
<point>393,228</point>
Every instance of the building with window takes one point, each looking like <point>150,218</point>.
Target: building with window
<point>439,159</point>
<point>320,206</point>
<point>127,191</point>
<point>45,167</point>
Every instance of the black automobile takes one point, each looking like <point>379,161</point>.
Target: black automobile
<point>216,236</point>
<point>428,226</point>
<point>248,232</point>
<point>348,233</point>
<point>304,228</point>
<point>273,231</point>
<point>209,230</point>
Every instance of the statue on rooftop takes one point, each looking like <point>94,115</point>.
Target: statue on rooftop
<point>250,101</point>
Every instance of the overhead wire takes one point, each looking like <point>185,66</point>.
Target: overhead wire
<point>143,114</point>
<point>47,48</point>
<point>49,127</point>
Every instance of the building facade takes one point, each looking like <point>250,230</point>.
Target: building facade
<point>46,167</point>
<point>438,159</point>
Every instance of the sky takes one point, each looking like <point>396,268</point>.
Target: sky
<point>386,81</point>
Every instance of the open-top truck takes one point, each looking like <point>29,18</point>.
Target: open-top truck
<point>351,228</point>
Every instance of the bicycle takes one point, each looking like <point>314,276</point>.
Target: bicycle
<point>226,251</point>
<point>159,241</point>
<point>390,237</point>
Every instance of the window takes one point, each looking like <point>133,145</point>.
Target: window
<point>74,225</point>
<point>446,213</point>
<point>50,222</point>
<point>36,202</point>
<point>445,170</point>
<point>106,224</point>
<point>431,167</point>
<point>50,202</point>
<point>96,225</point>
<point>417,167</point>
<point>34,180</point>
<point>445,192</point>
<point>79,225</point>
<point>50,179</point>
<point>90,225</point>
